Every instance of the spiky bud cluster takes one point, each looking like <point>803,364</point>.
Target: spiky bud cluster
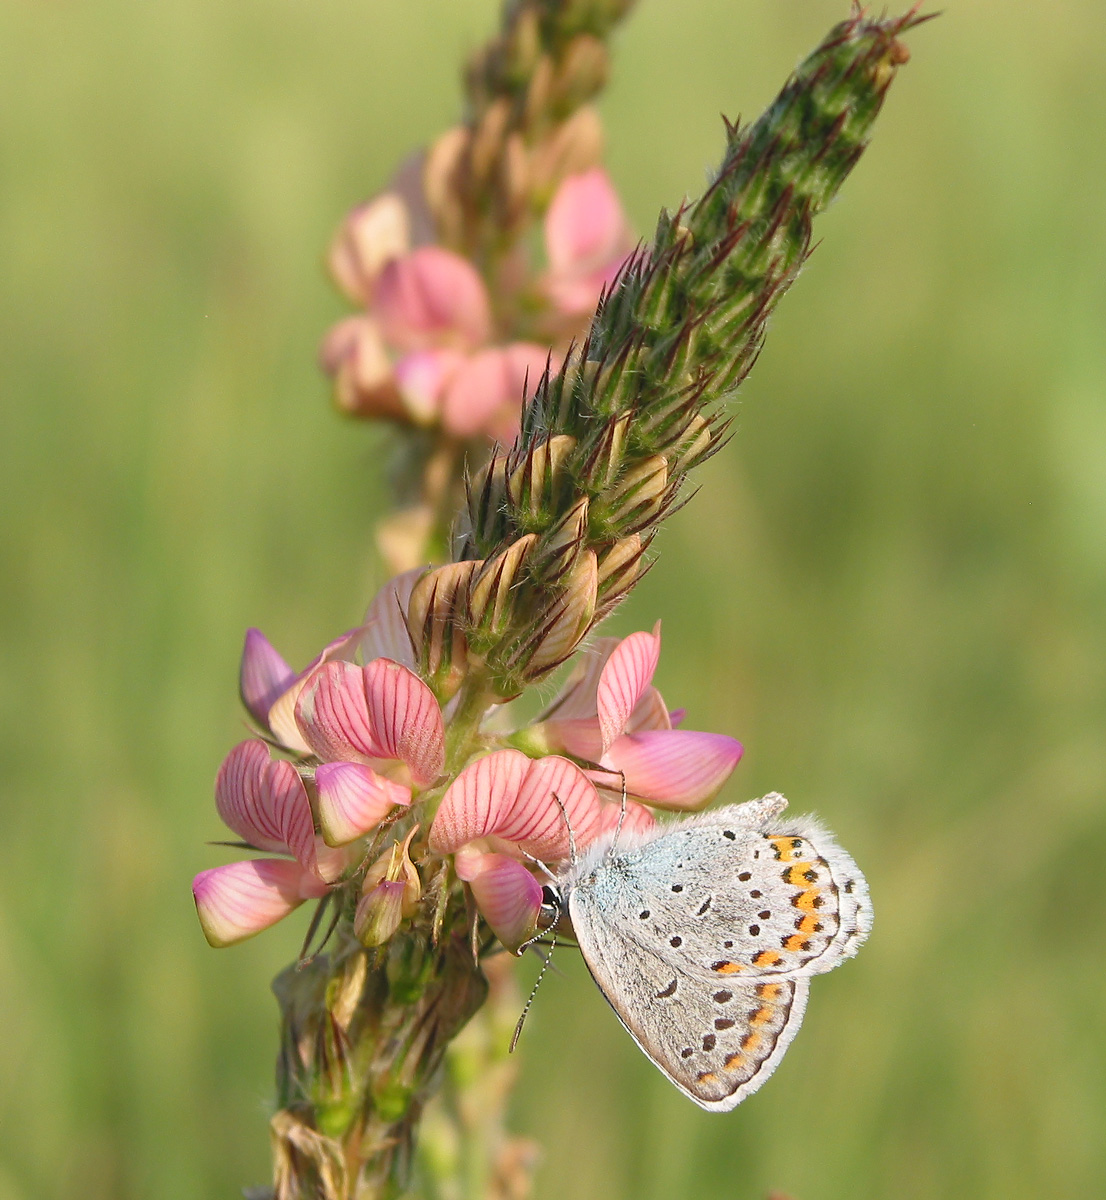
<point>561,521</point>
<point>528,124</point>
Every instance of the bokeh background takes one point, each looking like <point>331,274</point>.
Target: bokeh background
<point>890,587</point>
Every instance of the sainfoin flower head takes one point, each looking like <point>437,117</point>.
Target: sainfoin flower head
<point>427,348</point>
<point>369,740</point>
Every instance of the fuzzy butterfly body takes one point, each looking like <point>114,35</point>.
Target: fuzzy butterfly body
<point>703,934</point>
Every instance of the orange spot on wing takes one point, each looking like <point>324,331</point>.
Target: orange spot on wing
<point>796,942</point>
<point>785,848</point>
<point>761,1017</point>
<point>809,924</point>
<point>727,968</point>
<point>735,1062</point>
<point>769,991</point>
<point>706,1077</point>
<point>767,958</point>
<point>750,1042</point>
<point>809,901</point>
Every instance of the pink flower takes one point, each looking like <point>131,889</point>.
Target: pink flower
<point>609,714</point>
<point>505,807</point>
<point>376,729</point>
<point>426,349</point>
<point>587,239</point>
<point>269,687</point>
<point>266,804</point>
<point>432,298</point>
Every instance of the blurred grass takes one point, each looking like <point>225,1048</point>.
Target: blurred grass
<point>891,586</point>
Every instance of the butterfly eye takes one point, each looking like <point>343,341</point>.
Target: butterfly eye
<point>551,907</point>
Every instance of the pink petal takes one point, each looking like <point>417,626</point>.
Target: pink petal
<point>555,797</point>
<point>332,714</point>
<point>650,712</point>
<point>385,628</point>
<point>282,715</point>
<point>478,799</point>
<point>371,235</point>
<point>507,894</point>
<point>638,818</point>
<point>243,898</point>
<point>514,799</point>
<point>432,297</point>
<point>355,355</point>
<point>334,861</point>
<point>382,710</point>
<point>480,395</point>
<point>585,226</point>
<point>423,377</point>
<point>265,803</point>
<point>486,394</point>
<point>527,363</point>
<point>406,718</point>
<point>577,295</point>
<point>263,676</point>
<point>577,698</point>
<point>352,799</point>
<point>674,768</point>
<point>628,672</point>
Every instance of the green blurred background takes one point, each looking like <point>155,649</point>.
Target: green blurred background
<point>890,587</point>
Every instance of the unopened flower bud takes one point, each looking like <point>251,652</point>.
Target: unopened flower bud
<point>391,891</point>
<point>569,618</point>
<point>605,461</point>
<point>533,482</point>
<point>539,93</point>
<point>523,43</point>
<point>380,913</point>
<point>514,179</point>
<point>486,494</point>
<point>491,588</point>
<point>488,137</point>
<point>436,615</point>
<point>583,72</point>
<point>572,147</point>
<point>395,865</point>
<point>693,444</point>
<point>639,494</point>
<point>562,543</point>
<point>440,180</point>
<point>620,567</point>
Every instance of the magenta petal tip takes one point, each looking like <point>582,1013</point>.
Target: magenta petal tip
<point>263,676</point>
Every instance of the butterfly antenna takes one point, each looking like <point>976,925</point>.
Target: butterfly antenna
<point>539,864</point>
<point>621,813</point>
<point>546,960</point>
<point>568,826</point>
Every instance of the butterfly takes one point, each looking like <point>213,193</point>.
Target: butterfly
<point>703,935</point>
